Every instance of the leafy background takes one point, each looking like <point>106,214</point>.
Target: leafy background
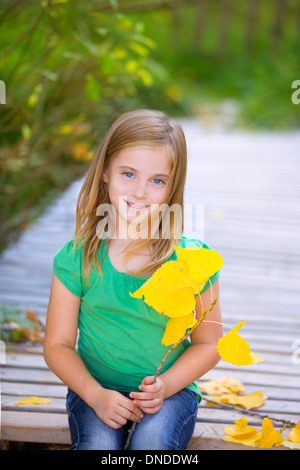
<point>71,68</point>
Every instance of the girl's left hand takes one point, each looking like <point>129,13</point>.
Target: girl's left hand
<point>150,398</point>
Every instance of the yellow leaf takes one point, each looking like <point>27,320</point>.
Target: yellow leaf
<point>224,385</point>
<point>202,263</point>
<point>294,435</point>
<point>131,66</point>
<point>176,328</point>
<point>233,348</point>
<point>145,76</point>
<point>80,152</point>
<point>169,291</point>
<point>269,436</point>
<point>291,445</point>
<point>33,401</point>
<point>174,92</point>
<point>242,434</point>
<point>252,441</point>
<point>250,401</point>
<point>172,288</point>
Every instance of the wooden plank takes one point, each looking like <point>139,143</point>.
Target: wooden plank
<point>34,389</point>
<point>56,405</point>
<point>250,377</point>
<point>14,374</point>
<point>35,427</point>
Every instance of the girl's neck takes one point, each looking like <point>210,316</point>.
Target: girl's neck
<point>136,260</point>
<point>121,244</point>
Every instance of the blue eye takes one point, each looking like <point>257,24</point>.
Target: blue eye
<point>126,173</point>
<point>159,181</point>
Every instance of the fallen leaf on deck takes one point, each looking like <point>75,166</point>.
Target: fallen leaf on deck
<point>249,401</point>
<point>33,401</point>
<point>269,436</point>
<point>242,434</point>
<point>234,349</point>
<point>224,385</point>
<point>291,445</point>
<point>294,435</point>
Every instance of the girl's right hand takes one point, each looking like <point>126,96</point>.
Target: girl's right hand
<point>114,409</point>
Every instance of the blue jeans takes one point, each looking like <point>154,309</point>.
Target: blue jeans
<point>170,429</point>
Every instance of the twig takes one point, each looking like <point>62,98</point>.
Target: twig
<point>158,370</point>
<point>253,413</point>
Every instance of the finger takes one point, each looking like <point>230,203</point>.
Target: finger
<point>113,424</point>
<point>148,380</point>
<point>143,404</point>
<point>130,411</point>
<point>143,396</point>
<point>152,388</point>
<point>151,410</point>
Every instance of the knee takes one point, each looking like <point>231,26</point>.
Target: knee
<point>149,436</point>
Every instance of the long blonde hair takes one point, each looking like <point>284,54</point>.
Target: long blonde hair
<point>140,128</point>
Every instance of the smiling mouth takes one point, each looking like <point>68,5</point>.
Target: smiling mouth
<point>136,207</point>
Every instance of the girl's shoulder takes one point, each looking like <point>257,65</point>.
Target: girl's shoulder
<point>67,266</point>
<point>69,251</point>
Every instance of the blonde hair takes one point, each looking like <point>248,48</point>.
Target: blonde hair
<point>140,128</point>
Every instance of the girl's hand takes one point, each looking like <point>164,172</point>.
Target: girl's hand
<point>114,409</point>
<point>151,397</point>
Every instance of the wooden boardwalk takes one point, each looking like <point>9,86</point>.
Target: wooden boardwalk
<point>249,187</point>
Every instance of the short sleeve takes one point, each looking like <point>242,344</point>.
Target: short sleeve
<point>188,242</point>
<point>67,267</point>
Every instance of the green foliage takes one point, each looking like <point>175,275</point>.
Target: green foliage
<point>215,57</point>
<point>11,319</point>
<point>70,69</point>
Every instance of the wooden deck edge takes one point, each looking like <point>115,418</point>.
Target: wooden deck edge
<point>47,428</point>
<point>51,428</point>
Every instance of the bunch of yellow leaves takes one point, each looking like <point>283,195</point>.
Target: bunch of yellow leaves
<point>172,288</point>
<point>264,438</point>
<point>171,291</point>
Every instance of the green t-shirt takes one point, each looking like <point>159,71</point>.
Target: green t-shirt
<point>119,336</point>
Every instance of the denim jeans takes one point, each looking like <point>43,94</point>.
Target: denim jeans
<point>170,429</point>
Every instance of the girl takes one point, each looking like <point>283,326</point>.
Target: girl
<point>140,164</point>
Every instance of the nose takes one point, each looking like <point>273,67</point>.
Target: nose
<point>139,191</point>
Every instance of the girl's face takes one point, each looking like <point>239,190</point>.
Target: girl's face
<point>137,177</point>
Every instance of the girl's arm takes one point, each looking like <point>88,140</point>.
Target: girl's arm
<point>60,355</point>
<point>198,359</point>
